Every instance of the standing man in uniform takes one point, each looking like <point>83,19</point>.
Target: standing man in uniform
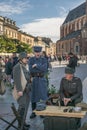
<point>21,78</point>
<point>70,88</point>
<point>38,68</point>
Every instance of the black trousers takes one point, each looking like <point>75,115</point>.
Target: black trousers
<point>33,106</point>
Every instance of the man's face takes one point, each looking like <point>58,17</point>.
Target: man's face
<point>37,54</point>
<point>25,60</point>
<point>69,76</point>
<point>14,54</point>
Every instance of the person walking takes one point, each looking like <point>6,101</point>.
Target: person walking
<point>21,78</point>
<point>38,67</point>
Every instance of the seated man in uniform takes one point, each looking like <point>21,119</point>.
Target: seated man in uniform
<point>70,88</point>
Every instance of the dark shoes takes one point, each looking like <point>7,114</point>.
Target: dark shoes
<point>33,115</point>
<point>25,127</point>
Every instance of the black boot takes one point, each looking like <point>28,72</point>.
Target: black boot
<point>21,114</point>
<point>33,115</point>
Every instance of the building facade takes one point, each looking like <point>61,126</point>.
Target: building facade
<point>9,28</point>
<point>71,38</point>
<point>26,38</point>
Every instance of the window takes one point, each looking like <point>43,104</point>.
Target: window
<point>77,49</point>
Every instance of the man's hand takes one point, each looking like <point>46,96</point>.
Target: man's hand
<point>33,66</point>
<point>66,100</point>
<point>20,93</point>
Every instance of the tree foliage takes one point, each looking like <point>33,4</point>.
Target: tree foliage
<point>13,45</point>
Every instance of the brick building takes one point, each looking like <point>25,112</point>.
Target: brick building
<point>73,37</point>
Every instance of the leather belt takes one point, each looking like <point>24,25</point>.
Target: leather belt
<point>37,75</point>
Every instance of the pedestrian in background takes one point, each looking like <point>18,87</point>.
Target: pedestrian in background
<point>72,61</point>
<point>38,68</point>
<point>8,69</point>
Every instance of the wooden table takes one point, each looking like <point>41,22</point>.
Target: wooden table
<point>58,111</point>
<point>56,119</point>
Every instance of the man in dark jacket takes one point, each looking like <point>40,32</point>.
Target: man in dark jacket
<point>70,88</point>
<point>8,69</point>
<point>72,61</point>
<point>15,59</point>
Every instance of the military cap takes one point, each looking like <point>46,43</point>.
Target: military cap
<point>22,55</point>
<point>37,48</point>
<point>69,70</point>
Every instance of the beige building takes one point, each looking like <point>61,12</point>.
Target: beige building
<point>9,28</point>
<point>48,48</point>
<point>39,42</point>
<point>26,38</point>
<point>52,49</point>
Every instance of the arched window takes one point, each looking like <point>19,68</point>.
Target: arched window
<point>79,24</point>
<point>75,26</point>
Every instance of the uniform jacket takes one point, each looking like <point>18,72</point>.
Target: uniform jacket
<point>17,76</point>
<point>71,89</point>
<point>39,84</point>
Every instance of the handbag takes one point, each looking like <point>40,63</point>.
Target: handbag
<point>15,93</point>
<point>2,87</point>
<point>23,82</point>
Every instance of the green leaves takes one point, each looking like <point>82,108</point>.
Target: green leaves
<point>52,89</point>
<point>13,45</point>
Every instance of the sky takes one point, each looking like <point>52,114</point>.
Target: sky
<point>39,17</point>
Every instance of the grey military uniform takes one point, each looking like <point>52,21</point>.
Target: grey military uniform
<point>71,89</point>
<point>24,100</point>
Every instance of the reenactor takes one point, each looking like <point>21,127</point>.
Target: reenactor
<point>38,67</point>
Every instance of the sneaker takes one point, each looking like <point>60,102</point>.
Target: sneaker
<point>33,115</point>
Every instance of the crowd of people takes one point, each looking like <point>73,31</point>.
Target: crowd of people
<point>28,74</point>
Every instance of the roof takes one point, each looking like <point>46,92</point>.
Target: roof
<point>76,13</point>
<point>71,35</point>
<point>11,26</point>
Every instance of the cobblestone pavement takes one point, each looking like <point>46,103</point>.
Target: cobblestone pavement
<point>37,123</point>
